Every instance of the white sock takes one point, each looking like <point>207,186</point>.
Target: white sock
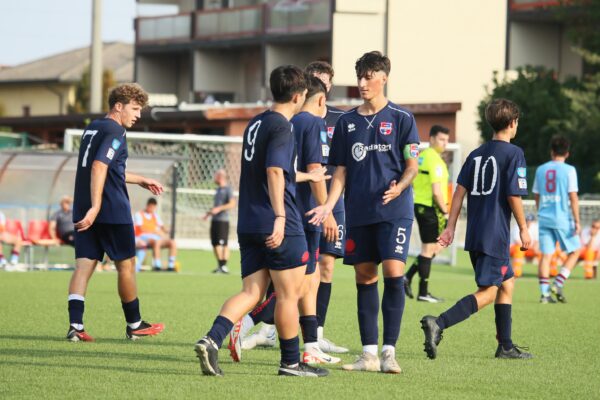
<point>388,347</point>
<point>171,262</point>
<point>311,346</point>
<point>135,325</point>
<point>76,297</point>
<point>247,324</point>
<point>371,349</point>
<point>79,327</point>
<point>157,262</point>
<point>320,332</point>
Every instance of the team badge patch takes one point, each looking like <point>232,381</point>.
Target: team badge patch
<point>522,183</point>
<point>414,150</point>
<point>330,130</point>
<point>522,172</point>
<point>116,144</point>
<point>110,154</point>
<point>323,136</point>
<point>385,128</point>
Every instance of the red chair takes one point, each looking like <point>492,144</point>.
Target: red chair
<point>14,227</point>
<point>38,230</point>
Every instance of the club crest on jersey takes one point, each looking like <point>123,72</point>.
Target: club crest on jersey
<point>330,130</point>
<point>414,150</point>
<point>323,136</point>
<point>116,144</point>
<point>351,127</point>
<point>522,172</point>
<point>522,183</point>
<point>385,128</point>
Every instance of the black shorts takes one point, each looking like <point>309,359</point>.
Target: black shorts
<point>431,223</point>
<point>335,249</point>
<point>219,233</point>
<point>116,240</point>
<point>490,271</point>
<point>255,255</point>
<point>68,238</point>
<point>386,240</point>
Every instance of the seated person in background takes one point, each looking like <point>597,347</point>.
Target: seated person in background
<point>61,225</point>
<point>590,252</point>
<point>517,255</point>
<point>10,239</point>
<point>150,229</point>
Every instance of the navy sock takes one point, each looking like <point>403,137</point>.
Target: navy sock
<point>413,269</point>
<point>367,300</point>
<point>290,350</point>
<point>392,308</point>
<point>323,296</point>
<point>132,311</point>
<point>220,329</point>
<point>504,325</point>
<point>308,324</point>
<point>76,308</point>
<point>424,272</point>
<point>265,311</point>
<point>462,310</point>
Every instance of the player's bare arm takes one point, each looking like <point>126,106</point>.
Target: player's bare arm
<point>315,175</point>
<point>447,236</point>
<point>98,178</point>
<point>276,184</point>
<point>155,187</point>
<point>516,205</point>
<point>409,174</point>
<point>438,197</point>
<point>338,182</point>
<point>575,209</point>
<point>319,192</point>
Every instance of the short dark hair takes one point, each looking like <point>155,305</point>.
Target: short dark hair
<point>438,129</point>
<point>285,82</point>
<point>126,93</point>
<point>314,86</point>
<point>500,113</point>
<point>559,145</point>
<point>372,61</point>
<point>319,67</point>
<point>151,200</point>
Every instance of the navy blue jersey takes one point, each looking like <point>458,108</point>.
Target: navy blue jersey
<point>490,174</point>
<point>103,140</point>
<point>371,148</point>
<point>309,131</point>
<point>331,118</point>
<point>268,142</point>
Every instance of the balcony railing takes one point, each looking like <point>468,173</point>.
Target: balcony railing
<point>287,17</point>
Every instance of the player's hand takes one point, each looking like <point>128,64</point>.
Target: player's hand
<point>274,241</point>
<point>446,238</point>
<point>88,220</point>
<point>525,239</point>
<point>330,229</point>
<point>152,185</point>
<point>393,192</point>
<point>319,214</point>
<point>318,175</point>
<point>208,214</point>
<point>577,228</point>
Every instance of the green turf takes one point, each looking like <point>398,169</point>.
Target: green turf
<point>35,360</point>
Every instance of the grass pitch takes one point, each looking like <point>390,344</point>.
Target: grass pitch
<point>36,361</point>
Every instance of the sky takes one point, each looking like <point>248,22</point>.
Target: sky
<point>32,29</point>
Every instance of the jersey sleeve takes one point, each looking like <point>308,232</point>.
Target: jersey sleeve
<point>112,142</point>
<point>159,221</point>
<point>536,184</point>
<point>337,154</point>
<point>228,194</point>
<point>137,219</point>
<point>572,181</point>
<point>312,145</point>
<point>516,176</point>
<point>464,177</point>
<point>278,145</point>
<point>436,170</point>
<point>409,146</point>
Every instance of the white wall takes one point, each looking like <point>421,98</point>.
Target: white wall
<point>294,53</point>
<point>534,44</point>
<point>217,71</point>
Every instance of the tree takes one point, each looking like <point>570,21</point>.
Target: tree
<point>581,19</point>
<point>541,100</point>
<point>82,92</point>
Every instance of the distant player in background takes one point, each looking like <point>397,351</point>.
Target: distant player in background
<point>517,255</point>
<point>555,189</point>
<point>329,251</point>
<point>61,225</point>
<point>590,252</point>
<point>219,223</point>
<point>10,239</point>
<point>102,212</point>
<point>151,231</point>
<point>431,209</point>
<point>494,178</point>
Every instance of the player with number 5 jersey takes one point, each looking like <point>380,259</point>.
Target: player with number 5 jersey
<point>493,178</point>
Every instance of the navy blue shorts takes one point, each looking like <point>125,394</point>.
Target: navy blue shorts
<point>116,240</point>
<point>335,249</point>
<point>387,240</point>
<point>291,253</point>
<point>312,243</point>
<point>490,271</point>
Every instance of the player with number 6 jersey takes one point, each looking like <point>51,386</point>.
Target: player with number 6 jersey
<point>494,178</point>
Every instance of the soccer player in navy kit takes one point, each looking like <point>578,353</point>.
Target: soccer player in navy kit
<point>102,212</point>
<point>328,250</point>
<point>270,233</point>
<point>375,150</point>
<point>494,178</point>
